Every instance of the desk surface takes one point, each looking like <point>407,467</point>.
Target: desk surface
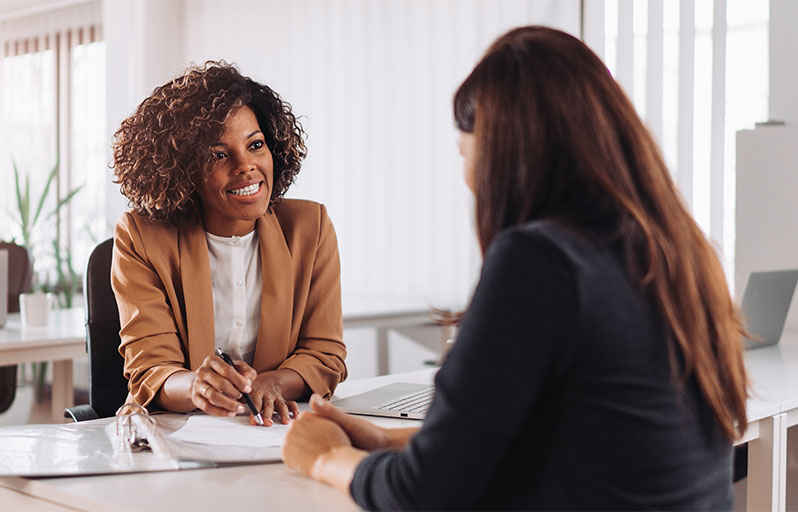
<point>773,372</point>
<point>65,334</point>
<point>256,487</point>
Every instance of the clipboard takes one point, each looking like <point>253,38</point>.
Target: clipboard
<point>133,441</point>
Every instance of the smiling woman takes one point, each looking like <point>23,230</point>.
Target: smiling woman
<point>212,257</point>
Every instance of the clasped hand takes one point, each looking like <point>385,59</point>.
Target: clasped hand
<point>218,390</point>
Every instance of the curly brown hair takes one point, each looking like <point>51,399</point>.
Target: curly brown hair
<point>162,152</point>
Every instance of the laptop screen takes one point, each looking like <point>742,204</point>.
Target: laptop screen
<point>766,301</point>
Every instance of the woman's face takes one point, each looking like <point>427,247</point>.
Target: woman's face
<point>465,142</point>
<point>239,185</point>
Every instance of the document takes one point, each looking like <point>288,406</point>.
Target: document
<point>235,431</point>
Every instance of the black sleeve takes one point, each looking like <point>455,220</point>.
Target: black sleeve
<point>512,343</point>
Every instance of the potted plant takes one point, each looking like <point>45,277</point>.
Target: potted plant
<point>29,217</point>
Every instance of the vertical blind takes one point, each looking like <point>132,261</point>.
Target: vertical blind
<point>671,58</point>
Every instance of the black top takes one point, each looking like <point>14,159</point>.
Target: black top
<point>557,395</point>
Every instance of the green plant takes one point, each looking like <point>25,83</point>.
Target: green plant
<point>28,218</point>
<point>67,280</point>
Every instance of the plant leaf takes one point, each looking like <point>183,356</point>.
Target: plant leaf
<point>20,205</point>
<point>65,200</point>
<point>45,193</point>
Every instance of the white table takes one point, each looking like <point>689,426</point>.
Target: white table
<point>61,340</point>
<point>772,409</point>
<point>241,488</point>
<point>383,315</point>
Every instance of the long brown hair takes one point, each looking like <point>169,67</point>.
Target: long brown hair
<point>557,138</point>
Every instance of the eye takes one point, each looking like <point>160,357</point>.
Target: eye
<point>218,155</point>
<point>258,144</point>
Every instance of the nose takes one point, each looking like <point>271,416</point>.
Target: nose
<point>244,164</point>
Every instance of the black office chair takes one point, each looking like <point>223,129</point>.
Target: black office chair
<point>107,384</point>
<point>20,278</point>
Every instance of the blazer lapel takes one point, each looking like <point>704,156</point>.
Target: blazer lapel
<point>195,272</point>
<point>277,300</point>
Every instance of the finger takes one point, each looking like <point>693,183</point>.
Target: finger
<point>224,402</point>
<point>246,370</point>
<point>222,385</point>
<point>243,384</point>
<point>268,411</point>
<point>294,408</point>
<point>282,410</point>
<point>206,406</point>
<point>213,396</point>
<point>324,408</point>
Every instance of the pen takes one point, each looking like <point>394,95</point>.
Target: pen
<point>226,359</point>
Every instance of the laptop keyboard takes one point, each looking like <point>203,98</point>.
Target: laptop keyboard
<point>417,402</point>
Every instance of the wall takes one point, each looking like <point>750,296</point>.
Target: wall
<point>767,161</point>
<point>373,82</point>
<point>783,103</point>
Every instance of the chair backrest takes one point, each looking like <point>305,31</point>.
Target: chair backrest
<point>107,384</point>
<point>20,273</point>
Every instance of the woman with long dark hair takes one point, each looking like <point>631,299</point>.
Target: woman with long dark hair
<point>599,364</point>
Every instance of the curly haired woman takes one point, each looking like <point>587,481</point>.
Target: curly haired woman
<point>212,257</point>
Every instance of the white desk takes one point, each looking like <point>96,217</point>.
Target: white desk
<point>773,372</point>
<point>241,488</point>
<point>61,341</point>
<point>383,315</point>
<point>772,409</point>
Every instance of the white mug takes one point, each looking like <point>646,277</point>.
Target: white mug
<point>34,308</point>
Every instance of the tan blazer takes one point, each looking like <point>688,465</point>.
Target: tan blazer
<point>162,281</point>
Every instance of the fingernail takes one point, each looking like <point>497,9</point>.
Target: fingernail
<point>231,414</point>
<point>318,400</point>
<point>247,388</point>
<point>241,408</point>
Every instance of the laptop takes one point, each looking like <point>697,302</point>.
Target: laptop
<point>397,400</point>
<point>766,301</point>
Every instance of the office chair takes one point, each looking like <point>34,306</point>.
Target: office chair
<point>107,384</point>
<point>20,278</point>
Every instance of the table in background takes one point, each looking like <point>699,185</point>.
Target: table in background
<point>252,487</point>
<point>61,340</point>
<point>772,409</point>
<point>383,315</point>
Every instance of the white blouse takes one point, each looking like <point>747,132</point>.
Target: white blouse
<point>236,278</point>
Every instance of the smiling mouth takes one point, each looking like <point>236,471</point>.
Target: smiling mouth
<point>246,191</point>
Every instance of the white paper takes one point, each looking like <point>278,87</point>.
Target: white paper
<point>236,431</point>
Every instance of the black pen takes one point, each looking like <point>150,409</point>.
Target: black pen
<point>226,359</point>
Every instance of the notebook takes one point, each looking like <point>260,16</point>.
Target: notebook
<point>766,301</point>
<point>397,400</point>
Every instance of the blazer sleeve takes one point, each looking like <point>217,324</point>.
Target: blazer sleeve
<point>150,343</point>
<point>320,351</point>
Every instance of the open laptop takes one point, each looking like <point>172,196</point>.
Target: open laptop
<point>766,301</point>
<point>397,400</point>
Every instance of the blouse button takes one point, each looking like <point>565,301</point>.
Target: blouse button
<point>239,322</point>
<point>239,283</point>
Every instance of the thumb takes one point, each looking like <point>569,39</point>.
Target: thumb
<point>325,409</point>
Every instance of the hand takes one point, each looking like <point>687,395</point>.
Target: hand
<point>362,433</point>
<point>269,397</point>
<point>217,386</point>
<point>308,439</point>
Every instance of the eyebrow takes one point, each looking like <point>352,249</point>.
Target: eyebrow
<point>220,143</point>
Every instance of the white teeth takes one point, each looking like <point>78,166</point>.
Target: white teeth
<point>246,191</point>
